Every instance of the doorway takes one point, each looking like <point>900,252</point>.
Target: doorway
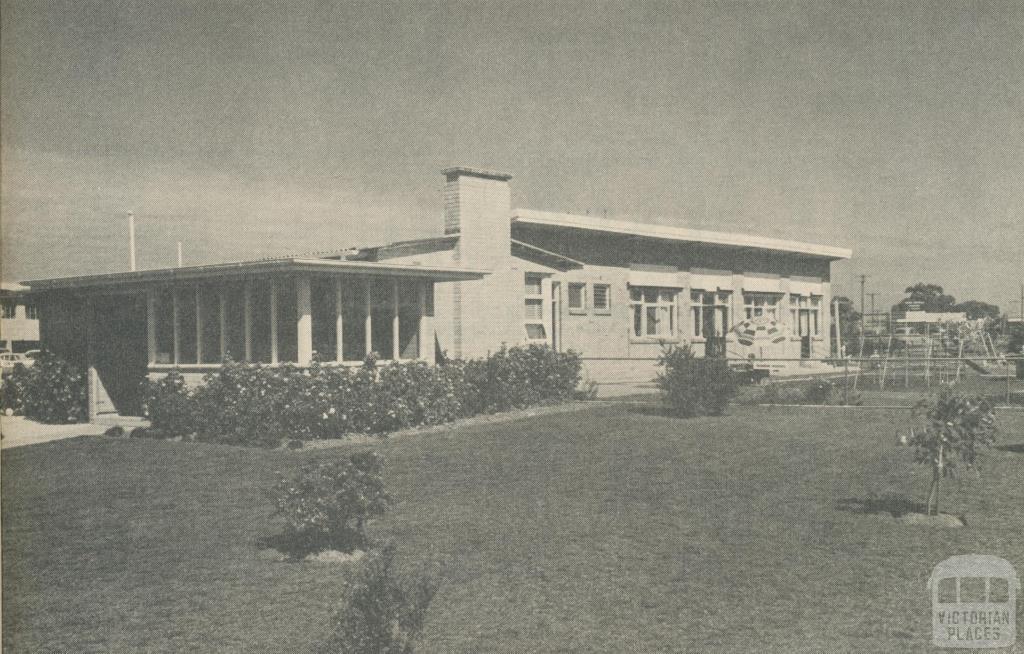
<point>119,353</point>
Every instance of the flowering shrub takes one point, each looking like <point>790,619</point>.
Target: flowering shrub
<point>692,386</point>
<point>956,427</point>
<point>51,390</point>
<point>170,407</point>
<point>327,505</point>
<point>381,611</point>
<point>260,405</point>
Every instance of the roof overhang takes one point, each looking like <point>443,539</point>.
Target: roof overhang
<point>572,221</point>
<point>244,268</point>
<point>555,260</point>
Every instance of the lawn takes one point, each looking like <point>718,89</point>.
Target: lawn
<point>608,529</point>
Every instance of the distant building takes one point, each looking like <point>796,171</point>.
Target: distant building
<point>617,292</point>
<point>19,320</point>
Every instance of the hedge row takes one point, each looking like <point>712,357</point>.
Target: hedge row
<point>259,405</point>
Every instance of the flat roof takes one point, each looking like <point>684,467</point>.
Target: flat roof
<point>287,264</point>
<point>551,219</point>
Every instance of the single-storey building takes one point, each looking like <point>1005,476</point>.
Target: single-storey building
<point>19,320</point>
<point>615,291</point>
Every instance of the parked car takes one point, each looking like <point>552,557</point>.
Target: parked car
<point>10,359</point>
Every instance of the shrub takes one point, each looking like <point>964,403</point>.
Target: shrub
<point>957,427</point>
<point>51,390</point>
<point>381,612</point>
<point>259,405</point>
<point>327,505</point>
<point>170,407</point>
<point>692,386</point>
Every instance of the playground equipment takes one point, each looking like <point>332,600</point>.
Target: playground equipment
<point>938,350</point>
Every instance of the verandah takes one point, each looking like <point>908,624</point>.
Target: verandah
<point>288,319</point>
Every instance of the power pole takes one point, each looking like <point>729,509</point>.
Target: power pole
<point>862,280</point>
<point>874,323</point>
<point>131,241</point>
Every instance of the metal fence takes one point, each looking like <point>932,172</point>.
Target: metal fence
<point>900,379</point>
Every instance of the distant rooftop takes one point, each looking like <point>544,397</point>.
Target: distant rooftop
<point>530,217</point>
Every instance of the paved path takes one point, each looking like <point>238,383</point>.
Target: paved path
<point>18,431</point>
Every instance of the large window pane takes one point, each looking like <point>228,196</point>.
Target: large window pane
<point>209,304</point>
<point>164,327</point>
<point>287,322</point>
<point>324,322</point>
<point>354,319</point>
<point>409,320</point>
<point>235,319</point>
<point>261,321</point>
<point>186,324</point>
<point>382,324</point>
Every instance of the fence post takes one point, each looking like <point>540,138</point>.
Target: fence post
<point>846,381</point>
<point>1007,382</point>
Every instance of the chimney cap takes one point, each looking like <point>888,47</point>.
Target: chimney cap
<point>457,171</point>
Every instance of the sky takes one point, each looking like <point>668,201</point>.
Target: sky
<point>252,129</point>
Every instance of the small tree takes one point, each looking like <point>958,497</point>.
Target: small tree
<point>327,505</point>
<point>957,427</point>
<point>381,612</point>
<point>695,387</point>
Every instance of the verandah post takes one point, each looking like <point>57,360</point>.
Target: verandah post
<point>369,316</point>
<point>338,331</point>
<point>247,319</point>
<point>273,321</point>
<point>396,343</point>
<point>304,317</point>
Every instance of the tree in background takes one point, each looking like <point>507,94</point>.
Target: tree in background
<point>976,310</point>
<point>931,297</point>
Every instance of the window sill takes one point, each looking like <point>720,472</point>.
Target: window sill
<point>577,312</point>
<point>602,312</point>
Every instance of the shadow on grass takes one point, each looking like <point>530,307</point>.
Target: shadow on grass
<point>297,545</point>
<point>1016,448</point>
<point>895,505</point>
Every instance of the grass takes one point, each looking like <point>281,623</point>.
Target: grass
<point>604,530</point>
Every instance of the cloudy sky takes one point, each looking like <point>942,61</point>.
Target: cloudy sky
<point>246,129</point>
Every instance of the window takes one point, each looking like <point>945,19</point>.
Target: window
<point>654,311</point>
<point>533,309</point>
<point>710,313</point>
<point>805,314</point>
<point>577,297</point>
<point>31,312</point>
<point>757,305</point>
<point>602,298</point>
<point>8,308</point>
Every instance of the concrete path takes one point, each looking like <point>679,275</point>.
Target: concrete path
<point>18,431</point>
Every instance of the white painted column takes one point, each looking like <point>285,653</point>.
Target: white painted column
<point>396,342</point>
<point>247,318</point>
<point>273,321</point>
<point>369,316</point>
<point>199,325</point>
<point>426,326</point>
<point>223,302</point>
<point>304,317</point>
<point>176,311</point>
<point>151,326</point>
<point>339,333</point>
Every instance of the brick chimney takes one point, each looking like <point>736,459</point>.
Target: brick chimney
<point>478,207</point>
<point>487,312</point>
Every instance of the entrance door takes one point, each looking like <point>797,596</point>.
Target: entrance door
<point>119,353</point>
<point>805,334</point>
